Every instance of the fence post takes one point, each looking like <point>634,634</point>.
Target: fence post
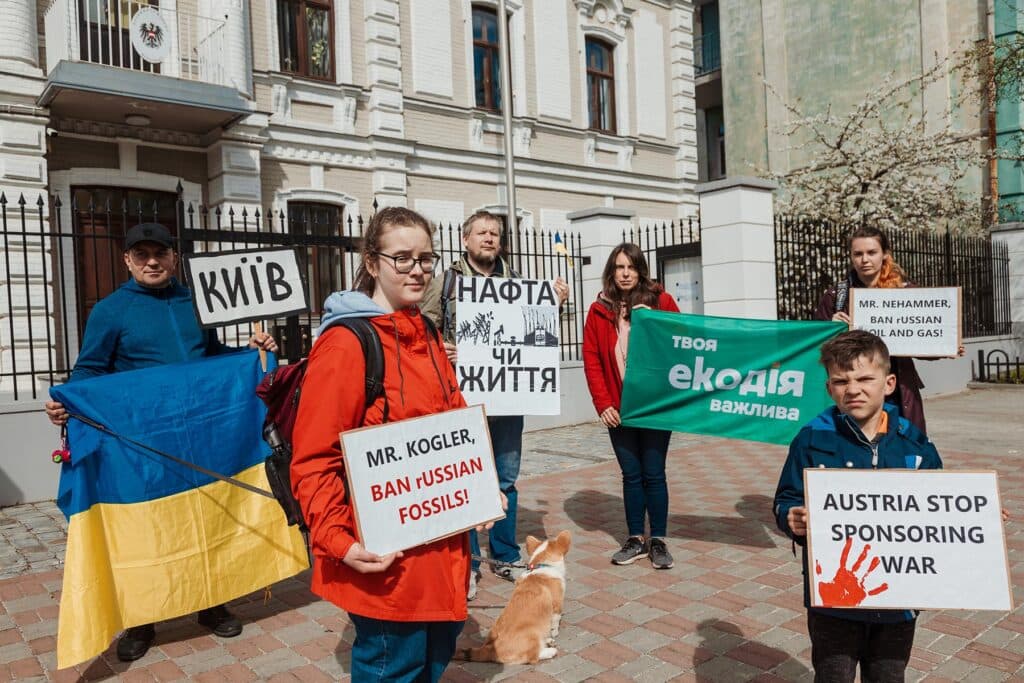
<point>738,248</point>
<point>600,230</point>
<point>1012,235</point>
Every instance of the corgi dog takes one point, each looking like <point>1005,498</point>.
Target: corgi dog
<point>525,631</point>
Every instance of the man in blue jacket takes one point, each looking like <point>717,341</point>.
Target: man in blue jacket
<point>860,431</point>
<point>149,321</point>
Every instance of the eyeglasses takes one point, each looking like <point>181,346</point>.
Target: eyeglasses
<point>404,264</point>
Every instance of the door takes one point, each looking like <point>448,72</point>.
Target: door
<point>99,218</point>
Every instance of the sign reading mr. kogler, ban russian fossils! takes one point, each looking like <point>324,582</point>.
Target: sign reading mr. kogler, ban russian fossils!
<point>507,336</point>
<point>422,479</point>
<point>906,539</point>
<point>238,286</point>
<point>913,321</point>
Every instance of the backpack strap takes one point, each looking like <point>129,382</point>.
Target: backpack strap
<point>373,353</point>
<point>447,290</point>
<point>842,294</point>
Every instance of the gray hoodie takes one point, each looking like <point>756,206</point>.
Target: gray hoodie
<point>347,304</point>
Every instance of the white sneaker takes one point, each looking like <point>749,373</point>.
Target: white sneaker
<point>474,576</point>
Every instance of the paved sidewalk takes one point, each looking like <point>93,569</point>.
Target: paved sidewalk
<point>730,610</point>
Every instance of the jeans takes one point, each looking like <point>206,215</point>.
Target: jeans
<point>402,651</point>
<point>507,442</point>
<point>641,456</point>
<point>838,645</point>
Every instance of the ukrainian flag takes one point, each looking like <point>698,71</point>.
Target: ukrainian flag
<point>150,539</point>
<point>560,248</point>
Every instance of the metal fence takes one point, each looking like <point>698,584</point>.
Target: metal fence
<point>58,259</point>
<point>811,255</point>
<point>657,241</point>
<point>997,366</point>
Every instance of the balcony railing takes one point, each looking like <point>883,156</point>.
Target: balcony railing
<point>707,53</point>
<point>137,35</point>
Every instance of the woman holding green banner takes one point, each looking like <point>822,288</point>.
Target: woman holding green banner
<point>640,452</point>
<point>872,265</point>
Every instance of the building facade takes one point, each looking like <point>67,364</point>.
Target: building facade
<point>313,110</point>
<point>821,55</point>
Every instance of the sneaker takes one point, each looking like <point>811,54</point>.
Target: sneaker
<point>507,573</point>
<point>474,578</point>
<point>219,620</point>
<point>134,643</point>
<point>632,550</point>
<point>660,557</point>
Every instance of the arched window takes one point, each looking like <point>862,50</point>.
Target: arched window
<point>486,58</point>
<point>601,85</point>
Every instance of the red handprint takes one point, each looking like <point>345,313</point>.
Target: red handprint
<point>846,590</point>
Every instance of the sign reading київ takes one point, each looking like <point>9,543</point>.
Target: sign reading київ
<point>240,286</point>
<point>745,379</point>
<point>906,539</point>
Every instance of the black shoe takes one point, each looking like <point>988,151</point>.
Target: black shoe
<point>660,557</point>
<point>632,550</point>
<point>219,620</point>
<point>134,643</point>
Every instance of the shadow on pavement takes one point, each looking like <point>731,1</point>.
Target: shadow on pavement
<point>720,637</point>
<point>597,511</point>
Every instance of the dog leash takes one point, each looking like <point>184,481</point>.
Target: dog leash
<point>498,564</point>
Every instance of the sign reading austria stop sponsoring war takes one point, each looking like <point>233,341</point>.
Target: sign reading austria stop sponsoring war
<point>239,286</point>
<point>507,337</point>
<point>746,379</point>
<point>913,321</point>
<point>906,539</point>
<point>419,480</point>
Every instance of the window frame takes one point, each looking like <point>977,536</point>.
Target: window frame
<point>595,78</point>
<point>492,90</point>
<point>297,14</point>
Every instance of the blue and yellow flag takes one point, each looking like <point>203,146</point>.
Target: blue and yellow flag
<point>560,248</point>
<point>150,539</point>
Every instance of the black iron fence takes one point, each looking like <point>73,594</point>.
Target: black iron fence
<point>997,366</point>
<point>656,240</point>
<point>58,259</point>
<point>811,255</point>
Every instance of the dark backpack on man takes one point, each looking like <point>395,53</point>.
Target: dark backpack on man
<point>281,390</point>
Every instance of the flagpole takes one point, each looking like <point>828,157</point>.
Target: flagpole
<point>506,112</point>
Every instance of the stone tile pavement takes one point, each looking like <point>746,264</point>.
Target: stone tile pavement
<point>730,610</point>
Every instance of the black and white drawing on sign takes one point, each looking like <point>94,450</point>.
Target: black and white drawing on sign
<point>476,330</point>
<point>540,326</point>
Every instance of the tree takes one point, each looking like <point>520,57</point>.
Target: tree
<point>886,162</point>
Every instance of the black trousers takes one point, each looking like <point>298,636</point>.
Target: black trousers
<point>838,645</point>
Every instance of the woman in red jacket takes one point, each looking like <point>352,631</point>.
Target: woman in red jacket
<point>640,452</point>
<point>408,607</point>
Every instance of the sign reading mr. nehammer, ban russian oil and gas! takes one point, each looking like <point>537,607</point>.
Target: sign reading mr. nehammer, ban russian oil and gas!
<point>419,480</point>
<point>745,379</point>
<point>507,335</point>
<point>906,539</point>
<point>238,286</point>
<point>913,321</point>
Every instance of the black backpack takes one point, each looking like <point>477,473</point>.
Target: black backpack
<point>281,390</point>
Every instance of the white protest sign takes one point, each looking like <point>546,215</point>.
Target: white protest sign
<point>238,286</point>
<point>912,321</point>
<point>906,539</point>
<point>418,480</point>
<point>507,334</point>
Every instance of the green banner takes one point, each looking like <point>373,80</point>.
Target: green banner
<point>743,379</point>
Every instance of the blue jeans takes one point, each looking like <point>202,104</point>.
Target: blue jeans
<point>507,442</point>
<point>402,651</point>
<point>641,456</point>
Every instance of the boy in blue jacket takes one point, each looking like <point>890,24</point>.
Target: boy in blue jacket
<point>865,432</point>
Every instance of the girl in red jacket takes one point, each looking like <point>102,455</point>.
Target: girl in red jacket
<point>408,607</point>
<point>640,452</point>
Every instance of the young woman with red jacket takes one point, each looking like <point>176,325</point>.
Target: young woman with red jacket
<point>408,607</point>
<point>640,452</point>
